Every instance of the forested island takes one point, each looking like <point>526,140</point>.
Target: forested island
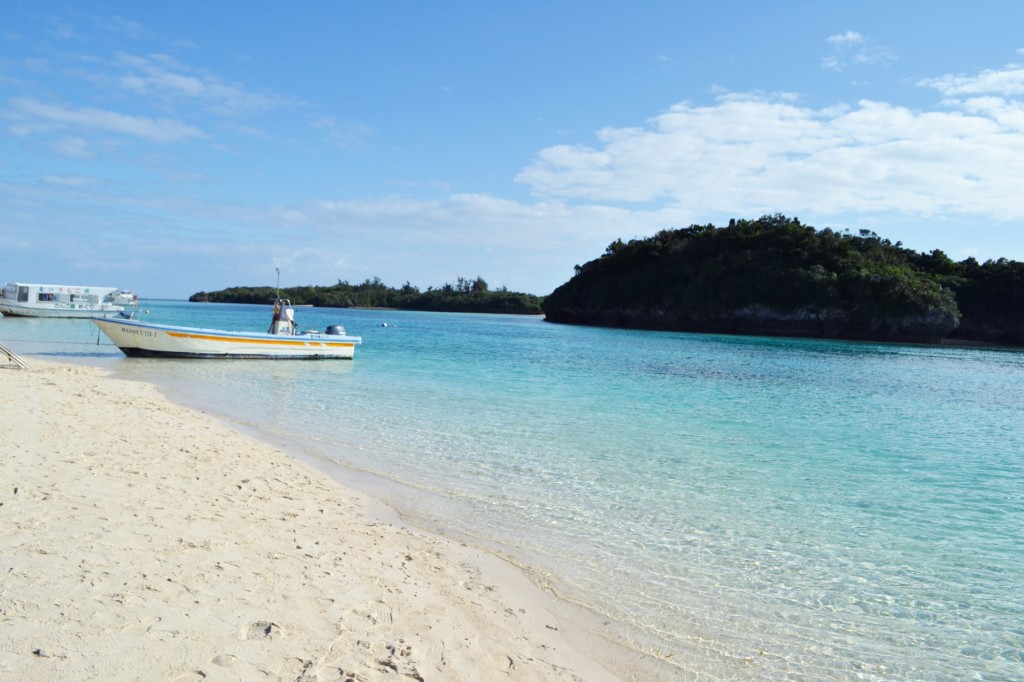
<point>771,276</point>
<point>776,276</point>
<point>465,296</point>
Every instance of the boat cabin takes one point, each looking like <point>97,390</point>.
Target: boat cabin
<point>55,295</point>
<point>58,300</point>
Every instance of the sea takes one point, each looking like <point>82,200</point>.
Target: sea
<point>735,507</point>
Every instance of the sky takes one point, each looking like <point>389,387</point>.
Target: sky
<point>173,148</point>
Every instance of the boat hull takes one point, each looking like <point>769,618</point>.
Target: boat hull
<point>83,311</point>
<point>141,339</point>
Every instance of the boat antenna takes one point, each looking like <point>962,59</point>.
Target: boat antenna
<point>277,293</point>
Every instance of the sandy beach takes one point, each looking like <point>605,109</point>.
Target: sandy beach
<point>143,540</point>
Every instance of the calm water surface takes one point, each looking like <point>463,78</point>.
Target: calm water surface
<point>739,507</point>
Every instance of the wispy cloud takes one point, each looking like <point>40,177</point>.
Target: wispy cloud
<point>162,75</point>
<point>69,180</point>
<point>63,30</point>
<point>845,39</point>
<point>852,47</point>
<point>120,26</point>
<point>1008,81</point>
<point>33,116</point>
<point>73,147</point>
<point>344,135</point>
<point>162,79</point>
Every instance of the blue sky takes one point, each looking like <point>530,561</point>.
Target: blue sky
<point>179,147</point>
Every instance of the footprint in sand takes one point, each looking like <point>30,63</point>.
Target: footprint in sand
<point>263,629</point>
<point>224,660</point>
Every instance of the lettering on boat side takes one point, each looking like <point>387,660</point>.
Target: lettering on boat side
<point>140,332</point>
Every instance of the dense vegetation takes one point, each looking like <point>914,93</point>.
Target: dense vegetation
<point>465,296</point>
<point>776,276</point>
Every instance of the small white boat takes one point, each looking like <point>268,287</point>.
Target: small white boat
<point>142,339</point>
<point>60,300</point>
<point>125,297</point>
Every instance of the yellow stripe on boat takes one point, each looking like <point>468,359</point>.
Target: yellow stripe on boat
<point>242,339</point>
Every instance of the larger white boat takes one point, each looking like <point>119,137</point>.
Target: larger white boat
<point>142,339</point>
<point>60,300</point>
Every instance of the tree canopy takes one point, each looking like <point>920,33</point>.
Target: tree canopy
<point>465,295</point>
<point>775,275</point>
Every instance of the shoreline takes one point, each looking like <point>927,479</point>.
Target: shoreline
<point>393,502</point>
<point>139,534</point>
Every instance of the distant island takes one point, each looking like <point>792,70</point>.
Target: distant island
<point>772,276</point>
<point>776,276</point>
<point>465,296</point>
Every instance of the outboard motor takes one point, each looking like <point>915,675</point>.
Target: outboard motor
<point>335,330</point>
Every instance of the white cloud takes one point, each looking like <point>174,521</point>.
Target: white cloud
<point>73,147</point>
<point>848,38</point>
<point>874,55</point>
<point>1007,81</point>
<point>751,154</point>
<point>75,181</point>
<point>1008,113</point>
<point>163,76</point>
<point>847,48</point>
<point>118,25</point>
<point>527,247</point>
<point>35,116</point>
<point>464,234</point>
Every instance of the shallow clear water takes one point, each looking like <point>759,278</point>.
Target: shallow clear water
<point>742,506</point>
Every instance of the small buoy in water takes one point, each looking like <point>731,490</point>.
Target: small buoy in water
<point>384,324</point>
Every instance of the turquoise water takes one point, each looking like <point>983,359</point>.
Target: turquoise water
<point>738,506</point>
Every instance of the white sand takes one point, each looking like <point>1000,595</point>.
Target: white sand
<point>143,540</point>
